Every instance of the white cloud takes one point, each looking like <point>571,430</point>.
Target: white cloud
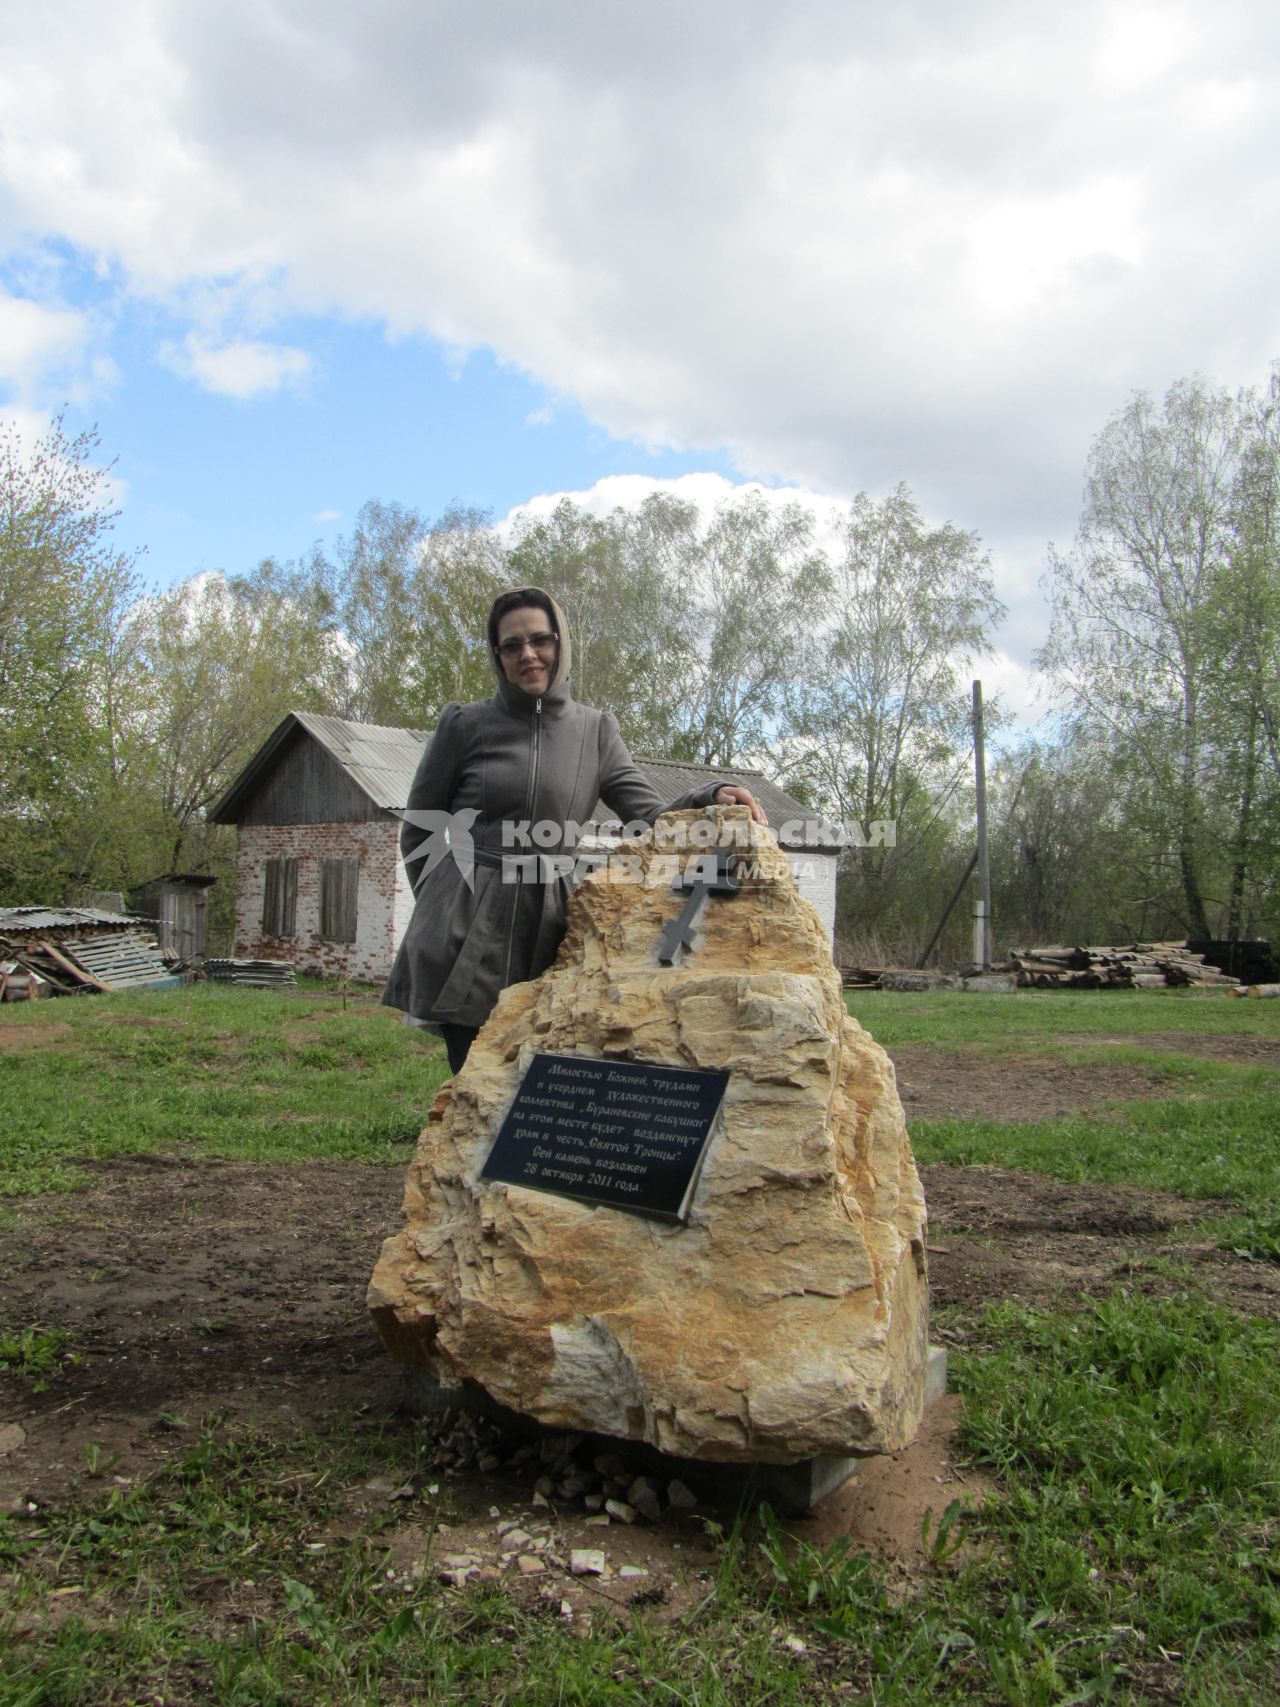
<point>327,516</point>
<point>852,243</point>
<point>37,342</point>
<point>1018,689</point>
<point>244,368</point>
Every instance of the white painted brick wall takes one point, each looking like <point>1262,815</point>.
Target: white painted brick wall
<point>403,903</point>
<point>815,875</point>
<point>380,911</point>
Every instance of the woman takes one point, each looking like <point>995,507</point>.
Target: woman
<point>531,755</point>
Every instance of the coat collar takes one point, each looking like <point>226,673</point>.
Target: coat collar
<point>517,703</point>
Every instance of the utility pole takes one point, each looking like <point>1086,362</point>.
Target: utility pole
<point>982,911</point>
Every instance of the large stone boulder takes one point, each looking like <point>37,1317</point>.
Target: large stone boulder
<point>788,1317</point>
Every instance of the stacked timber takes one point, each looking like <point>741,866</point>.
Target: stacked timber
<point>861,977</point>
<point>1130,966</point>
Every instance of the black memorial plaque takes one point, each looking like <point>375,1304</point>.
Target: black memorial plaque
<point>626,1134</point>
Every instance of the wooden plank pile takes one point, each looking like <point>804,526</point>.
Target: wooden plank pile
<point>861,977</point>
<point>63,959</point>
<point>1131,966</point>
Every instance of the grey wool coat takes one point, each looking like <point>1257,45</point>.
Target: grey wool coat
<point>507,760</point>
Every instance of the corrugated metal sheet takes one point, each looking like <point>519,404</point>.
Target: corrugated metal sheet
<point>16,920</point>
<point>126,961</point>
<point>257,974</point>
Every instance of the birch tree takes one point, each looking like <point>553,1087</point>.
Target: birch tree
<point>1135,642</point>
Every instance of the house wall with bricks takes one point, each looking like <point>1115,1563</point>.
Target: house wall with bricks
<point>383,898</point>
<point>815,873</point>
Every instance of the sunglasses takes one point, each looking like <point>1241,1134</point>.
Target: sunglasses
<point>544,644</point>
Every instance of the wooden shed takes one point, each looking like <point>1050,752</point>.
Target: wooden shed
<point>177,905</point>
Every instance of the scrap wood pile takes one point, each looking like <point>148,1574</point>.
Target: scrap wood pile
<point>66,951</point>
<point>860,977</point>
<point>1135,966</point>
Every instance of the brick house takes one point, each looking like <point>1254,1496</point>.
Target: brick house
<point>319,879</point>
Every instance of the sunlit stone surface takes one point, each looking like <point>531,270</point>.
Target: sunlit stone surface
<point>789,1318</point>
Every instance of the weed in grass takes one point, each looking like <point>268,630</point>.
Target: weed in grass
<point>34,1351</point>
<point>95,1462</point>
<point>942,1539</point>
<point>842,1591</point>
<point>1254,1237</point>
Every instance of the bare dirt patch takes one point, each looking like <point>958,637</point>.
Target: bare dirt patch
<point>192,1287</point>
<point>999,1233</point>
<point>1256,1051</point>
<point>951,1084</point>
<point>23,1036</point>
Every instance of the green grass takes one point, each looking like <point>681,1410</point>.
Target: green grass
<point>1210,1147</point>
<point>214,1070</point>
<point>1138,1446</point>
<point>1218,1137</point>
<point>1034,1017</point>
<point>1129,1555</point>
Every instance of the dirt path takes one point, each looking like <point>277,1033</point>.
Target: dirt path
<point>189,1287</point>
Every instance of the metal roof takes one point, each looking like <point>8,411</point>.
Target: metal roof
<point>16,920</point>
<point>382,761</point>
<point>379,760</point>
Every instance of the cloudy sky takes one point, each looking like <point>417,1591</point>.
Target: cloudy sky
<point>292,254</point>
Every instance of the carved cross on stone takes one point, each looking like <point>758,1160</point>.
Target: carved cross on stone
<point>713,873</point>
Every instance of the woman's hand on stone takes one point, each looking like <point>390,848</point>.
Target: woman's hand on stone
<point>733,794</point>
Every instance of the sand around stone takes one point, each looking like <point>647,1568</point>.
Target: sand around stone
<point>789,1317</point>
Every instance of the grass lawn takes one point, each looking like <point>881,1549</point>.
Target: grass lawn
<point>227,1072</point>
<point>1130,1552</point>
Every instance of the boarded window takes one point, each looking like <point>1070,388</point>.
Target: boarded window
<point>339,884</point>
<point>280,898</point>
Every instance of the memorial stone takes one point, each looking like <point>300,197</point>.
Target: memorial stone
<point>772,1307</point>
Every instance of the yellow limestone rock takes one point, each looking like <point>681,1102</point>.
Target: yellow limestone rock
<point>789,1317</point>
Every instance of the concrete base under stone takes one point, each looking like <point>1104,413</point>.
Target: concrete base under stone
<point>791,1489</point>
